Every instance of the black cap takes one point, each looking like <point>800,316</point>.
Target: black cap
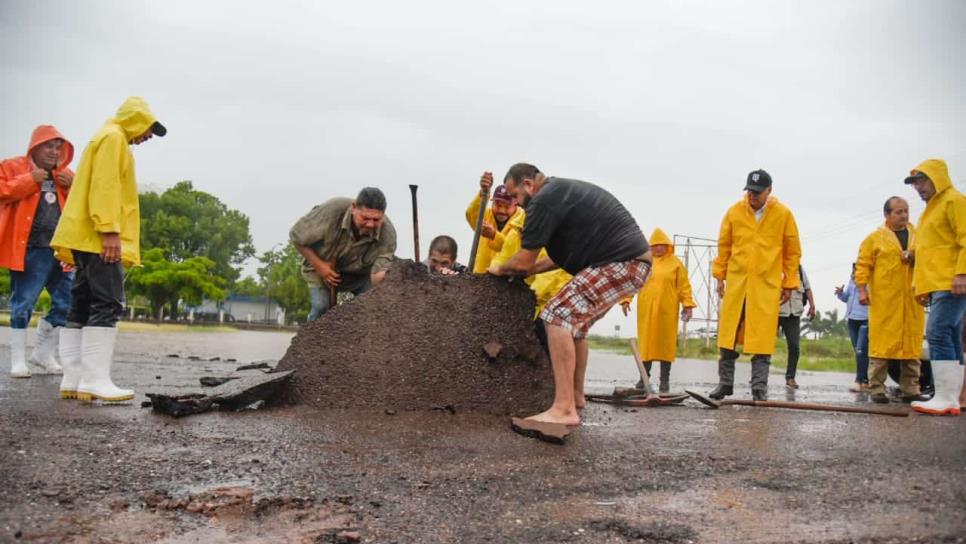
<point>158,129</point>
<point>758,181</point>
<point>916,177</point>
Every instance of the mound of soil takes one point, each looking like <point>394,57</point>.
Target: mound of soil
<point>419,341</point>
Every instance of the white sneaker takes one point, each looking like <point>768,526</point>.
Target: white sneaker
<point>45,350</point>
<point>97,354</point>
<point>70,356</point>
<point>948,377</point>
<point>18,348</point>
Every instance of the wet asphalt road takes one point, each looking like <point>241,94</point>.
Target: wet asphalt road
<point>79,473</point>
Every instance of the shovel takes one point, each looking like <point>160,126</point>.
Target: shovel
<point>484,196</point>
<point>715,404</point>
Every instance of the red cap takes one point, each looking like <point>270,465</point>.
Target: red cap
<point>501,194</point>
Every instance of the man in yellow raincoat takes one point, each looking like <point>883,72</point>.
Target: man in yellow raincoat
<point>657,308</point>
<point>99,233</point>
<point>756,268</point>
<point>940,281</point>
<point>496,222</point>
<point>883,278</point>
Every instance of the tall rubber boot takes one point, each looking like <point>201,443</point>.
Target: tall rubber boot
<point>45,350</point>
<point>18,349</point>
<point>70,356</point>
<point>97,355</point>
<point>665,377</point>
<point>948,377</point>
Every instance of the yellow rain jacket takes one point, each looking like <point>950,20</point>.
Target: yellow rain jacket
<point>658,301</point>
<point>756,259</point>
<point>544,285</point>
<point>487,248</point>
<point>941,238</point>
<point>104,196</point>
<point>896,320</point>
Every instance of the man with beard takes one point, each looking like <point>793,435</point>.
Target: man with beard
<point>33,189</point>
<point>590,234</point>
<point>498,221</point>
<point>346,245</point>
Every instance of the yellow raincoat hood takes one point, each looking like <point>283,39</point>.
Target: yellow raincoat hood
<point>134,117</point>
<point>941,243</point>
<point>659,238</point>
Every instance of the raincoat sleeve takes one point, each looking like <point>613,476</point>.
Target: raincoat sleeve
<point>685,296</point>
<point>720,267</point>
<point>865,262</point>
<point>13,185</point>
<point>956,216</point>
<point>104,197</point>
<point>510,245</point>
<point>791,254</point>
<point>496,243</point>
<point>473,211</point>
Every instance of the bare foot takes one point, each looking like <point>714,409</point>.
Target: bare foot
<point>557,416</point>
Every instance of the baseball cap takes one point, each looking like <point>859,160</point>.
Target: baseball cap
<point>501,194</point>
<point>915,176</point>
<point>158,129</point>
<point>758,181</point>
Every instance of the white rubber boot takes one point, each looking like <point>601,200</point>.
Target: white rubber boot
<point>44,355</point>
<point>948,377</point>
<point>18,349</point>
<point>97,354</point>
<point>70,356</point>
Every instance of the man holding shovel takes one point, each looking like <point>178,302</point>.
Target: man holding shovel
<point>590,234</point>
<point>498,221</point>
<point>346,245</point>
<point>757,269</point>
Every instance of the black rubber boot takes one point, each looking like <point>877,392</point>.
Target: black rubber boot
<point>759,394</point>
<point>665,377</point>
<point>722,391</point>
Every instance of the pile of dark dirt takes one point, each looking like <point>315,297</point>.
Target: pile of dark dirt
<point>419,341</point>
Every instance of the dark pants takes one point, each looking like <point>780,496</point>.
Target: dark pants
<point>859,335</point>
<point>791,326</point>
<point>97,295</point>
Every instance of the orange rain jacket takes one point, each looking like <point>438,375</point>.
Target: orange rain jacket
<point>19,194</point>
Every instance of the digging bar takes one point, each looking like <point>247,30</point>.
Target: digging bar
<point>484,196</point>
<point>715,404</point>
<point>412,189</point>
<point>640,365</point>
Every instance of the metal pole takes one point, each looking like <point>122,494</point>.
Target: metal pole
<point>484,196</point>
<point>412,189</point>
<point>707,341</point>
<point>687,269</point>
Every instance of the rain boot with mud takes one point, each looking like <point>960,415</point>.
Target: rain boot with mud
<point>18,349</point>
<point>70,357</point>
<point>44,355</point>
<point>97,355</point>
<point>948,376</point>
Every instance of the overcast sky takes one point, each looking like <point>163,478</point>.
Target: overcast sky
<point>276,106</point>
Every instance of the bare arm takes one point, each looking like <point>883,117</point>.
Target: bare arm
<point>377,277</point>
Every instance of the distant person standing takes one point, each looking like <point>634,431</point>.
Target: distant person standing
<point>790,323</point>
<point>757,270</point>
<point>33,189</point>
<point>665,298</point>
<point>883,277</point>
<point>99,233</point>
<point>346,245</point>
<point>940,281</point>
<point>857,316</point>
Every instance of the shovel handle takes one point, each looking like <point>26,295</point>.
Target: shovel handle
<point>813,406</point>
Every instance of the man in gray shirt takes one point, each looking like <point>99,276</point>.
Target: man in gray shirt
<point>790,322</point>
<point>347,245</point>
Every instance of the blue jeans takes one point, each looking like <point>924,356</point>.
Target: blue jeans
<point>319,296</point>
<point>944,329</point>
<point>40,270</point>
<point>859,335</point>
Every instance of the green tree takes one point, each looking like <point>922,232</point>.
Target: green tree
<point>187,223</point>
<point>164,282</point>
<point>248,286</point>
<point>281,274</point>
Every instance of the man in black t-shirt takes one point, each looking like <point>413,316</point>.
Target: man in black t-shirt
<point>588,233</point>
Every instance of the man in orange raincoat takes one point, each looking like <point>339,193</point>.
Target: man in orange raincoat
<point>757,269</point>
<point>33,189</point>
<point>657,308</point>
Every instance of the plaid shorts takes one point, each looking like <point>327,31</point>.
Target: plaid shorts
<point>592,292</point>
